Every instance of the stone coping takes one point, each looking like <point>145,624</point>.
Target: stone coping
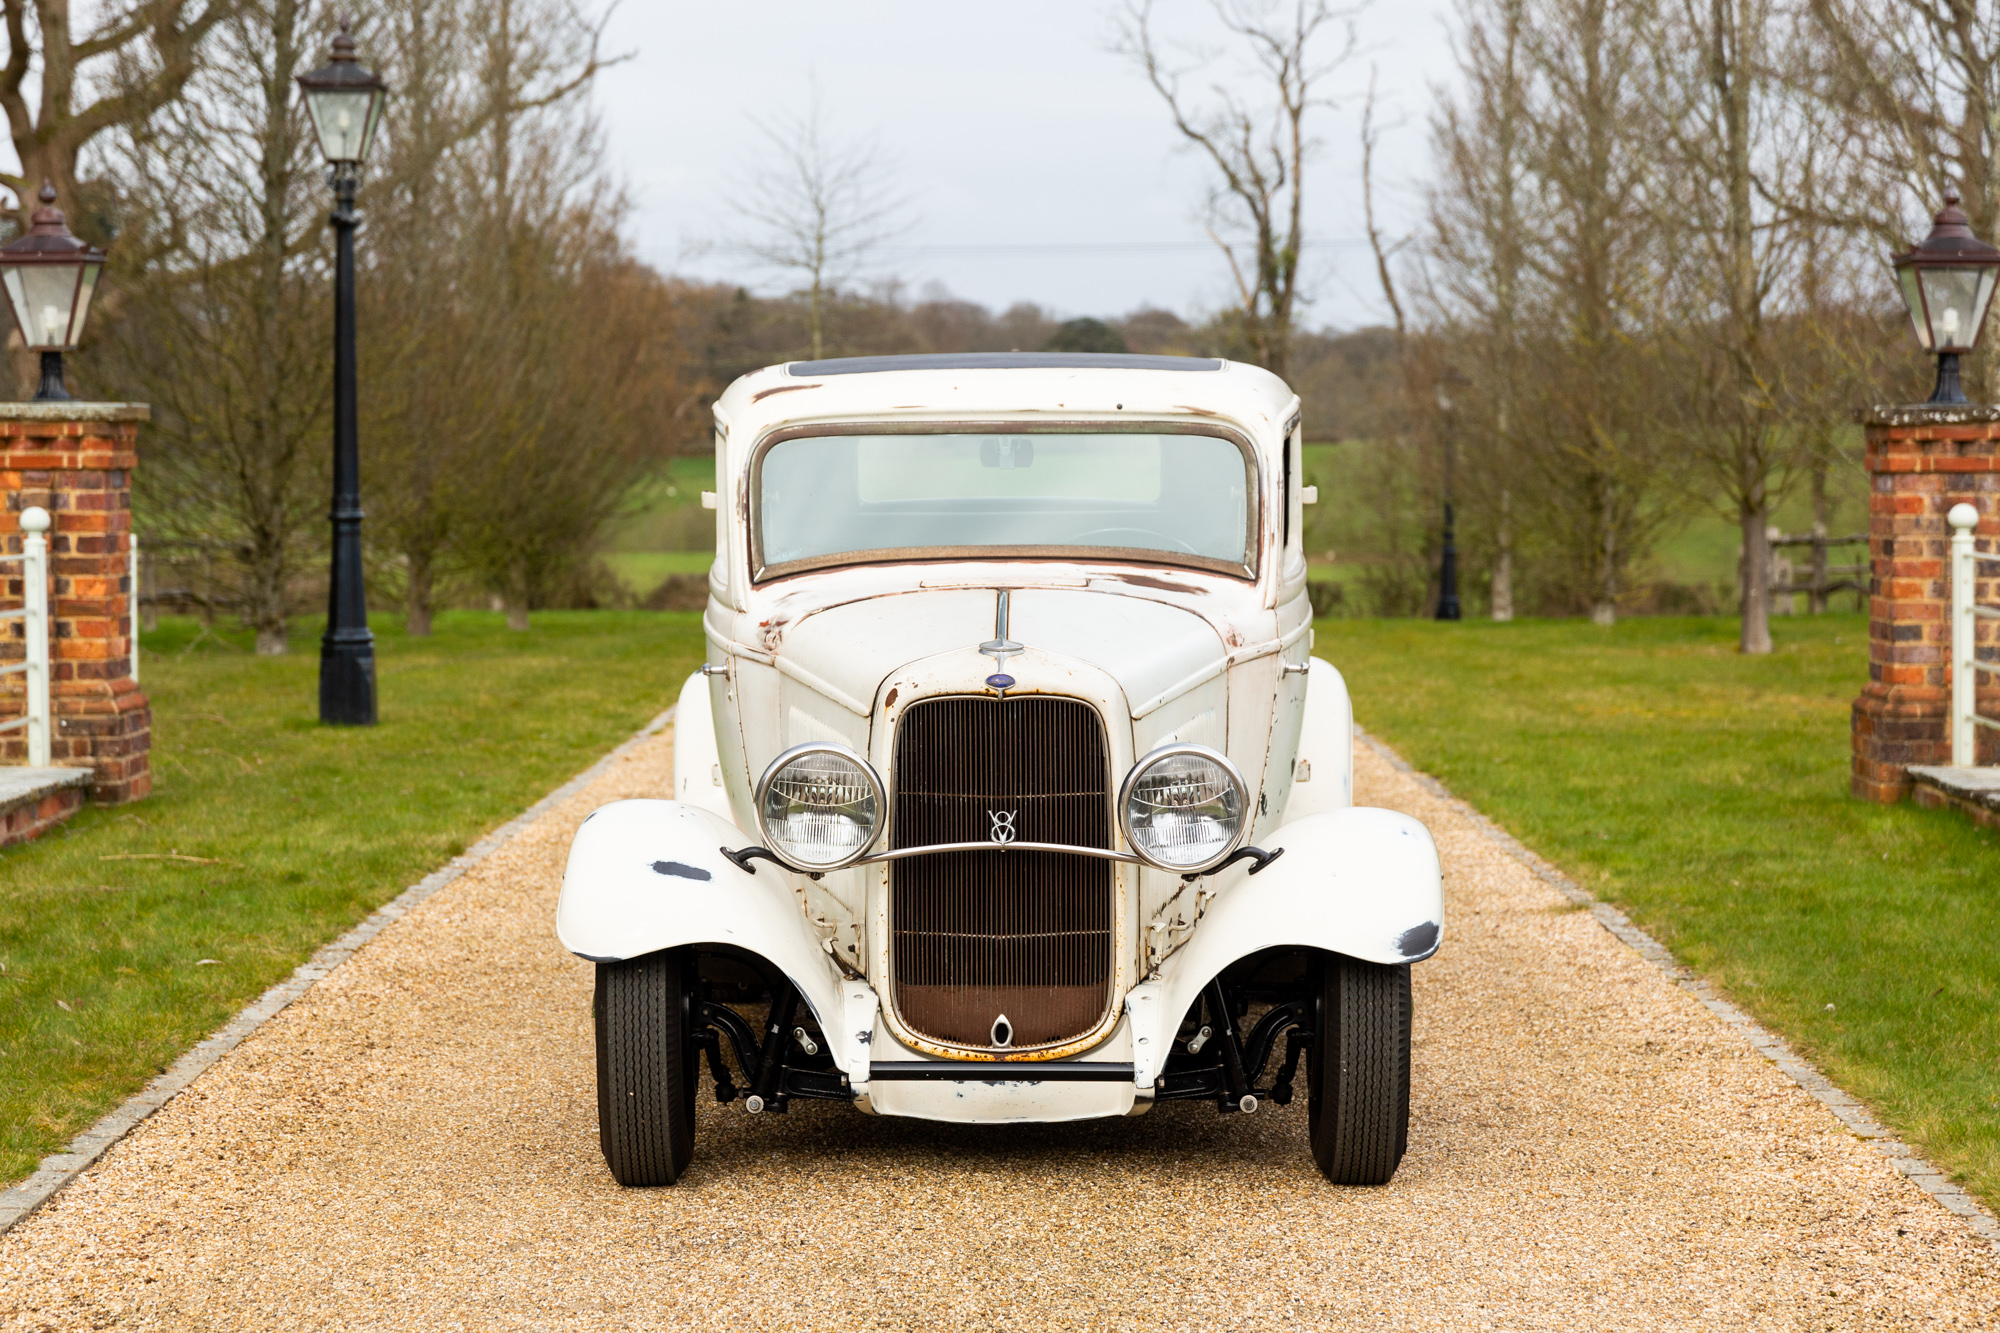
<point>21,786</point>
<point>74,411</point>
<point>1975,786</point>
<point>1928,414</point>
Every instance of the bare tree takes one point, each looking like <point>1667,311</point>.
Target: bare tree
<point>1479,247</point>
<point>1255,142</point>
<point>489,150</point>
<point>223,319</point>
<point>1591,374</point>
<point>136,58</point>
<point>821,209</point>
<point>1732,137</point>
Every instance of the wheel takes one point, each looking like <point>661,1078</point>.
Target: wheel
<point>1358,1083</point>
<point>646,1067</point>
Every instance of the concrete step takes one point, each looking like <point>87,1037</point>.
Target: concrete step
<point>1976,791</point>
<point>34,800</point>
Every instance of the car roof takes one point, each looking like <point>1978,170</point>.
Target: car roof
<point>865,365</point>
<point>967,386</point>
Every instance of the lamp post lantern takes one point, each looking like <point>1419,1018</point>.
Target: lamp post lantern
<point>50,275</point>
<point>1947,282</point>
<point>345,103</point>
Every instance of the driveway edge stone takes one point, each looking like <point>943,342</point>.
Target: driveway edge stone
<point>58,1169</point>
<point>1925,1176</point>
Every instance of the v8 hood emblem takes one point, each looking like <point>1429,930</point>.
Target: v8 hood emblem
<point>1003,825</point>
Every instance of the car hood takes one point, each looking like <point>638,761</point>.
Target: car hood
<point>1152,649</point>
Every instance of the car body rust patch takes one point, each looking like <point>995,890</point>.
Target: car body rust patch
<point>890,702</point>
<point>1164,585</point>
<point>782,388</point>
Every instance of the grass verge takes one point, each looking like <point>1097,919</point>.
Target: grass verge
<point>1706,793</point>
<point>128,935</point>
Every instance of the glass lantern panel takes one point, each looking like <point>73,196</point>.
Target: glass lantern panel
<point>1952,297</point>
<point>84,288</point>
<point>44,298</point>
<point>1913,297</point>
<point>1982,299</point>
<point>343,120</point>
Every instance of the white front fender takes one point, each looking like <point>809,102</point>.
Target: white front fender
<point>1360,882</point>
<point>650,875</point>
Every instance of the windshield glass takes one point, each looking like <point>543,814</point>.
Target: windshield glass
<point>831,499</point>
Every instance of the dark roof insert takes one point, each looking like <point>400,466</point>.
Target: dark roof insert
<point>864,365</point>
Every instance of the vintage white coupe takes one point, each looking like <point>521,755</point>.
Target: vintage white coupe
<point>1009,791</point>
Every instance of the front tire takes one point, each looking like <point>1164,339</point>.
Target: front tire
<point>646,1067</point>
<point>1358,1085</point>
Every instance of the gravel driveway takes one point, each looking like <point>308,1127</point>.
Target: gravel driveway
<point>412,1145</point>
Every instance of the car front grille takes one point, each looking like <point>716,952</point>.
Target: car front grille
<point>978,935</point>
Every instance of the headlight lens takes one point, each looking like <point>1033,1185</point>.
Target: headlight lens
<point>1182,808</point>
<point>819,806</point>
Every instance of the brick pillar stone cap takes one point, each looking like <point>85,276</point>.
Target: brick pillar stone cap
<point>1963,516</point>
<point>1927,414</point>
<point>72,411</point>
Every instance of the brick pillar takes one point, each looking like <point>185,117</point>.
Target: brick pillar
<point>1921,461</point>
<point>75,460</point>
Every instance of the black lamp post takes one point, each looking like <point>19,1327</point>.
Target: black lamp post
<point>1448,608</point>
<point>49,276</point>
<point>1947,282</point>
<point>345,102</point>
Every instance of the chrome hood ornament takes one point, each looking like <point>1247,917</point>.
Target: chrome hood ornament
<point>1000,647</point>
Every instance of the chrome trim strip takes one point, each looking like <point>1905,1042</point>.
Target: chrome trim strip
<point>1002,1071</point>
<point>898,853</point>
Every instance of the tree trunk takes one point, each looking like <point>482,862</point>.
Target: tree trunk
<point>1503,561</point>
<point>517,611</point>
<point>815,317</point>
<point>1756,635</point>
<point>267,601</point>
<point>417,600</point>
<point>1816,599</point>
<point>1604,611</point>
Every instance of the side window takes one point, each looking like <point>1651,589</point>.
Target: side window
<point>722,513</point>
<point>1294,460</point>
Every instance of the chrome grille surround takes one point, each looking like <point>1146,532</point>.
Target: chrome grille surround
<point>975,935</point>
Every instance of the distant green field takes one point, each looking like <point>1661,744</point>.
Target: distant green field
<point>643,571</point>
<point>1347,531</point>
<point>664,529</point>
<point>1706,793</point>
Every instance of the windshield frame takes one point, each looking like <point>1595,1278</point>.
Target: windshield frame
<point>1245,569</point>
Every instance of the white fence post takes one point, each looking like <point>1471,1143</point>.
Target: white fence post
<point>35,626</point>
<point>1963,518</point>
<point>132,560</point>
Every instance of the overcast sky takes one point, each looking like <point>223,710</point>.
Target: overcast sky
<point>1039,165</point>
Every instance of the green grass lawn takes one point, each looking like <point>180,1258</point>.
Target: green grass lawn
<point>643,571</point>
<point>268,835</point>
<point>1706,793</point>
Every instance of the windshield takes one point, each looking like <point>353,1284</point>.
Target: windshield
<point>834,499</point>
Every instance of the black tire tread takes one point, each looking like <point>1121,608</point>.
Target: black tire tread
<point>646,1068</point>
<point>1360,1076</point>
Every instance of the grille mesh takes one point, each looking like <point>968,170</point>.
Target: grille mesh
<point>974,935</point>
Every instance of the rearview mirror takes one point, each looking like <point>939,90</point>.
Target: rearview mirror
<point>1008,451</point>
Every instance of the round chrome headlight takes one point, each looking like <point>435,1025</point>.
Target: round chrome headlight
<point>819,806</point>
<point>1183,808</point>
